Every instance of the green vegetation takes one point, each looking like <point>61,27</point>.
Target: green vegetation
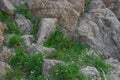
<point>66,50</point>
<point>8,20</point>
<point>74,55</point>
<point>34,32</point>
<point>97,62</point>
<point>15,40</point>
<point>14,75</point>
<point>70,51</point>
<point>68,72</point>
<point>22,64</point>
<point>87,5</point>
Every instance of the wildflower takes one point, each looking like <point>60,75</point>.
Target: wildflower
<point>81,13</point>
<point>17,44</point>
<point>58,41</point>
<point>33,27</point>
<point>67,47</point>
<point>45,37</point>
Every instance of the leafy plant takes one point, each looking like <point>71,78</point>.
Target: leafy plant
<point>8,20</point>
<point>87,5</point>
<point>33,66</point>
<point>34,32</point>
<point>70,71</point>
<point>15,40</point>
<point>66,72</point>
<point>29,65</point>
<point>18,59</point>
<point>14,75</point>
<point>66,50</point>
<point>97,62</point>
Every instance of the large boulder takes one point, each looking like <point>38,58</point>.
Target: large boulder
<point>7,6</point>
<point>114,5</point>
<point>24,24</point>
<point>101,29</point>
<point>48,66</point>
<point>46,27</point>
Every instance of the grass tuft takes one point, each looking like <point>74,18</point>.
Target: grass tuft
<point>15,41</point>
<point>87,6</point>
<point>8,20</point>
<point>31,66</point>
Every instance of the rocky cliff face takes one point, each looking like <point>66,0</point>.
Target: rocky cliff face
<point>67,11</point>
<point>101,29</point>
<point>98,27</point>
<point>114,5</point>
